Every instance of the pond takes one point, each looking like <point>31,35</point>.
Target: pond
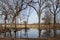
<point>31,33</point>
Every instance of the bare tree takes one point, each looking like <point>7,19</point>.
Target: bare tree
<point>39,10</point>
<point>56,9</point>
<point>13,9</point>
<point>47,18</point>
<point>5,13</point>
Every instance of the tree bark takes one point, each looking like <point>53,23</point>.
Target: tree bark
<point>27,24</point>
<point>5,28</point>
<point>54,25</point>
<point>39,26</point>
<point>15,27</point>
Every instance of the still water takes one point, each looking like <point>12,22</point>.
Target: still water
<point>31,33</point>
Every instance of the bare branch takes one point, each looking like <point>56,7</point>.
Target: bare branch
<point>33,7</point>
<point>51,11</point>
<point>58,11</point>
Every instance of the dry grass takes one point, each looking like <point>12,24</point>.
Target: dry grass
<point>57,26</point>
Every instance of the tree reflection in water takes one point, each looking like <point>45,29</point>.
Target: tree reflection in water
<point>32,33</point>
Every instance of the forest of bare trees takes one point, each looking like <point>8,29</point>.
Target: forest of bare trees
<point>12,10</point>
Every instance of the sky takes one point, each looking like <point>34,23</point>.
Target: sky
<point>34,17</point>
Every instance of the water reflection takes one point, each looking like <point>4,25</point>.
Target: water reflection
<point>58,32</point>
<point>31,33</point>
<point>47,33</point>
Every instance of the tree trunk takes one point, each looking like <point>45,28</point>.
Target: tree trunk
<point>20,28</point>
<point>27,24</point>
<point>5,28</point>
<point>15,27</point>
<point>39,26</point>
<point>10,31</point>
<point>54,25</point>
<point>39,16</point>
<point>26,29</point>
